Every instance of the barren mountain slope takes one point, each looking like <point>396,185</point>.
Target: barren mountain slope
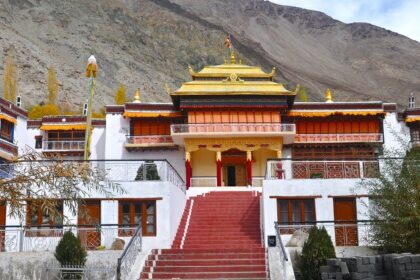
<point>147,43</point>
<point>141,45</point>
<point>360,61</point>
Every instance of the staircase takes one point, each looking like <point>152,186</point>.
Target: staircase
<point>218,238</point>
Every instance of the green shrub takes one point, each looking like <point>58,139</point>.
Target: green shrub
<point>315,252</point>
<point>70,250</point>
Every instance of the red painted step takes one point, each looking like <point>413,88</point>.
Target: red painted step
<point>218,238</point>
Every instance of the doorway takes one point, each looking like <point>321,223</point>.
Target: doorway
<point>90,217</point>
<point>345,216</point>
<point>231,175</point>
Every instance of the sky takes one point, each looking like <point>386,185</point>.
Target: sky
<point>401,16</point>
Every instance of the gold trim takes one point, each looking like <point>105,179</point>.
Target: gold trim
<point>330,113</point>
<point>63,127</point>
<point>412,119</point>
<point>151,114</point>
<point>224,144</point>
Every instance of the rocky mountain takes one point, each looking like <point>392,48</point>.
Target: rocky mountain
<point>149,43</point>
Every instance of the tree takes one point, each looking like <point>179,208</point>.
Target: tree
<point>395,202</point>
<point>120,96</point>
<point>315,252</point>
<point>10,77</point>
<point>50,181</point>
<point>149,169</point>
<point>69,250</point>
<point>39,111</point>
<point>52,85</point>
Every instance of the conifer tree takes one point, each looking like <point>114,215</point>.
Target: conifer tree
<point>120,96</point>
<point>10,77</point>
<point>52,85</point>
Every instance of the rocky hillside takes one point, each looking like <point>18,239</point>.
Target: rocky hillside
<point>150,43</point>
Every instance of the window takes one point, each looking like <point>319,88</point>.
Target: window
<point>6,131</point>
<point>70,135</point>
<point>295,211</point>
<point>38,142</point>
<point>133,213</point>
<point>41,221</point>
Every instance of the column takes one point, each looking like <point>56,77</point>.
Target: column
<point>188,170</point>
<point>219,168</point>
<point>249,167</point>
<point>279,166</point>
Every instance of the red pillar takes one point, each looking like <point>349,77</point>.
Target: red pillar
<point>188,170</point>
<point>219,168</point>
<point>249,167</point>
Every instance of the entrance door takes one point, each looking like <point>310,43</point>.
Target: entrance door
<point>2,224</point>
<point>240,175</point>
<point>345,216</point>
<point>90,217</point>
<point>231,175</point>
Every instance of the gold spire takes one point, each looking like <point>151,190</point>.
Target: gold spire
<point>232,57</point>
<point>328,96</point>
<point>137,96</point>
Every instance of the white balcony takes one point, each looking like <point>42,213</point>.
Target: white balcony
<point>149,141</point>
<point>287,131</point>
<point>339,138</point>
<point>63,146</point>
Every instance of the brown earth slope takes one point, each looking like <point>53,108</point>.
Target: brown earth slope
<point>147,43</point>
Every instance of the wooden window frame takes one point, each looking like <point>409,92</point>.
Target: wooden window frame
<point>6,134</point>
<point>40,225</point>
<point>290,212</point>
<point>124,232</point>
<point>59,138</point>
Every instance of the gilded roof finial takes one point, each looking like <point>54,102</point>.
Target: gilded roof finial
<point>137,96</point>
<point>232,57</point>
<point>240,61</point>
<point>328,96</point>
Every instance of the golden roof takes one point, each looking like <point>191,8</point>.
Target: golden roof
<point>232,79</point>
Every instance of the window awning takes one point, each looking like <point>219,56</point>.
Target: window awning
<point>63,126</point>
<point>7,118</point>
<point>412,119</point>
<point>152,114</point>
<point>330,113</point>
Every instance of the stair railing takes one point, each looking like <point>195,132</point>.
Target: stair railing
<point>129,255</point>
<point>279,243</point>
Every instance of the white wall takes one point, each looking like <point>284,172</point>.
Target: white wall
<point>117,127</point>
<point>97,143</point>
<point>324,207</point>
<point>394,132</point>
<point>20,134</point>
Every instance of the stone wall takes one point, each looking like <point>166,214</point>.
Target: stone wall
<point>381,267</point>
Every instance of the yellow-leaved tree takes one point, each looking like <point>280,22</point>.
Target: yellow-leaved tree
<point>39,111</point>
<point>10,77</point>
<point>120,95</point>
<point>52,85</point>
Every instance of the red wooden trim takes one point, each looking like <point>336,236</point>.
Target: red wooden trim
<point>351,196</point>
<point>249,172</point>
<point>134,199</point>
<point>296,197</point>
<point>188,174</point>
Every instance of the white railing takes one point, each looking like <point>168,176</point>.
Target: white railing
<point>334,169</point>
<point>149,140</point>
<point>37,239</point>
<point>339,138</point>
<point>114,171</point>
<point>234,128</point>
<point>63,145</point>
<point>342,233</point>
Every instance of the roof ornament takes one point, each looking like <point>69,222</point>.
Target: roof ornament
<point>297,86</point>
<point>137,96</point>
<point>328,96</point>
<point>233,78</point>
<point>191,70</point>
<point>232,57</point>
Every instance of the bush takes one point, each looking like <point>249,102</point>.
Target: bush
<point>315,252</point>
<point>70,250</point>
